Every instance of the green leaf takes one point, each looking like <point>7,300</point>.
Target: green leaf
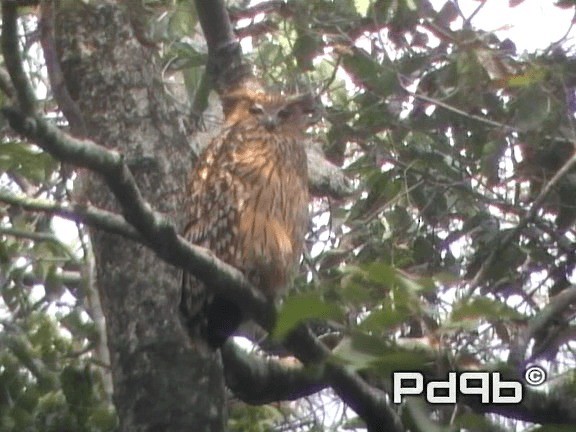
<point>306,48</point>
<point>362,6</point>
<point>102,419</point>
<point>78,326</point>
<point>380,273</point>
<point>77,385</point>
<point>400,360</point>
<point>363,351</point>
<point>472,421</point>
<point>187,56</point>
<point>419,414</point>
<point>378,77</point>
<point>29,162</point>
<point>531,108</point>
<point>183,20</point>
<point>533,75</point>
<point>385,318</point>
<point>411,4</point>
<point>354,292</point>
<point>298,308</point>
<point>351,352</point>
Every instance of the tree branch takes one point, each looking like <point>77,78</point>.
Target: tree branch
<point>325,178</point>
<point>70,279</point>
<point>257,380</point>
<point>257,29</point>
<point>55,74</point>
<point>87,154</point>
<point>556,407</point>
<point>554,309</point>
<point>224,279</point>
<point>151,229</point>
<point>85,214</point>
<point>139,222</point>
<point>12,58</point>
<point>370,403</point>
<point>38,237</point>
<point>226,65</point>
<point>215,23</point>
<point>228,70</point>
<point>522,223</point>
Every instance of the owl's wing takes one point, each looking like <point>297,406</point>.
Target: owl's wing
<point>211,194</point>
<point>214,193</point>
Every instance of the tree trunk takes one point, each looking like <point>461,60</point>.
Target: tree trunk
<point>162,379</point>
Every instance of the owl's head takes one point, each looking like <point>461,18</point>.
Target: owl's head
<point>275,113</point>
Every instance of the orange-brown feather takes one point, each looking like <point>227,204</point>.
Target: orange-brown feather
<point>249,192</point>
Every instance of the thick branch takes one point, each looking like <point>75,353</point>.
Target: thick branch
<point>257,380</point>
<point>226,65</point>
<point>325,178</point>
<point>55,74</point>
<point>228,70</point>
<point>151,229</point>
<point>139,222</point>
<point>257,29</point>
<point>556,407</point>
<point>87,154</point>
<point>159,235</point>
<point>215,23</point>
<point>554,309</point>
<point>12,58</point>
<point>368,402</point>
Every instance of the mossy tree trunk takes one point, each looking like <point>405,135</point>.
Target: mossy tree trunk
<point>162,380</point>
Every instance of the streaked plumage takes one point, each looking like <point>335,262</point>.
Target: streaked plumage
<point>249,198</point>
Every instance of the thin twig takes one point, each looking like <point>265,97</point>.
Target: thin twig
<point>453,109</point>
<point>522,223</point>
<point>38,237</point>
<point>86,214</point>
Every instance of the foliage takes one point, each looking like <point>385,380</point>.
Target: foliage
<point>457,237</point>
<point>44,383</point>
<point>49,380</point>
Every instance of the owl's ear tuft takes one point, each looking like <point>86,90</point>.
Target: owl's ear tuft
<point>308,105</point>
<point>243,94</point>
<point>231,101</point>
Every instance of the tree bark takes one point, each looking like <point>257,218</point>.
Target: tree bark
<point>162,379</point>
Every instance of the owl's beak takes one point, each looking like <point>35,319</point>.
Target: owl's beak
<point>269,122</point>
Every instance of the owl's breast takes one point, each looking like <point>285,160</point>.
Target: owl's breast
<point>272,212</point>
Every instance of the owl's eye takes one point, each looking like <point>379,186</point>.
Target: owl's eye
<point>284,113</point>
<point>256,109</point>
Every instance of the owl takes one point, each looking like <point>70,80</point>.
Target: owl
<point>249,200</point>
